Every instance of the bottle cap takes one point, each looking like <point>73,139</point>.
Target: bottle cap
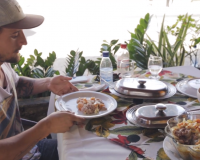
<point>105,53</point>
<point>123,45</point>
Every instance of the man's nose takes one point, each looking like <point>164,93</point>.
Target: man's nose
<point>23,40</point>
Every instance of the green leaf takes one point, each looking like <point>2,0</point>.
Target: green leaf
<point>51,58</point>
<point>73,53</point>
<point>141,28</point>
<point>182,56</point>
<point>154,45</point>
<point>21,61</point>
<point>35,52</point>
<point>168,45</point>
<point>116,48</point>
<point>147,17</point>
<point>40,62</point>
<point>32,57</point>
<point>161,34</point>
<point>133,156</point>
<point>143,23</point>
<point>105,47</point>
<point>57,72</point>
<point>38,73</point>
<point>113,42</point>
<point>49,72</point>
<point>139,35</point>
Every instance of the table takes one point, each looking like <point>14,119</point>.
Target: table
<point>88,143</point>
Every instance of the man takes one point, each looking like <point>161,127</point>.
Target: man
<point>14,142</point>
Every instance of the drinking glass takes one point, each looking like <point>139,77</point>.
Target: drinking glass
<point>155,66</point>
<point>127,68</point>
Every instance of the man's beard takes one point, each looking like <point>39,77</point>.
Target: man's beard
<point>15,59</point>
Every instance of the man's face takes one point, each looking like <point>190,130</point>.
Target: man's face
<point>11,41</point>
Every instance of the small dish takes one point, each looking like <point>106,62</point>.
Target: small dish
<point>141,87</point>
<point>194,83</point>
<point>188,87</point>
<point>151,115</point>
<point>171,90</point>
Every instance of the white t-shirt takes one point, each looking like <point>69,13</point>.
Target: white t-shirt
<point>8,71</point>
<point>10,123</point>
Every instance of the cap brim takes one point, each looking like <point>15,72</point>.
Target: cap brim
<point>30,21</point>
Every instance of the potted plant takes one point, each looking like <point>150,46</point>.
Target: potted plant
<point>35,107</point>
<point>76,64</point>
<point>141,46</point>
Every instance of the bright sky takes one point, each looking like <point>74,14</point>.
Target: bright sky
<point>84,24</point>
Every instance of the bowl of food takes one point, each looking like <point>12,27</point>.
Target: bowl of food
<point>185,130</point>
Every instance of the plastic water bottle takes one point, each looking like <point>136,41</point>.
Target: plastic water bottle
<point>106,69</point>
<point>121,54</point>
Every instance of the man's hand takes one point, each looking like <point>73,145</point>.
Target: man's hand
<point>62,121</point>
<point>60,85</point>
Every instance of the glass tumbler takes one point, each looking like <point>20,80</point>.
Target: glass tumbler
<point>155,66</point>
<point>127,68</point>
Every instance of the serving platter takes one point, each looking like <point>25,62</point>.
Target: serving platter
<point>171,90</point>
<point>68,102</point>
<point>187,88</point>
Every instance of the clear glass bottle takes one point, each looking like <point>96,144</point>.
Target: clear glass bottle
<point>121,54</point>
<point>106,69</point>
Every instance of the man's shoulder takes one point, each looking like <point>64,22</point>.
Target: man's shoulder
<point>7,65</point>
<point>9,71</point>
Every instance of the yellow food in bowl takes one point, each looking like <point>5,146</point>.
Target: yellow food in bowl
<point>186,131</point>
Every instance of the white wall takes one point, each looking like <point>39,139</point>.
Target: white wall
<point>84,24</point>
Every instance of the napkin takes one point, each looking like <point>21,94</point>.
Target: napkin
<point>94,87</point>
<point>79,79</point>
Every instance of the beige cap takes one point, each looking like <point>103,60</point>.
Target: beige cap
<point>12,16</point>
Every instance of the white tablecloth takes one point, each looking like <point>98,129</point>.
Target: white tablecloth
<point>81,144</point>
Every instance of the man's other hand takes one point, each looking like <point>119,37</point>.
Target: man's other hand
<point>61,121</point>
<point>60,85</point>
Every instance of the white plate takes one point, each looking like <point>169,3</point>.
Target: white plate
<point>170,150</point>
<point>69,101</point>
<point>183,87</point>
